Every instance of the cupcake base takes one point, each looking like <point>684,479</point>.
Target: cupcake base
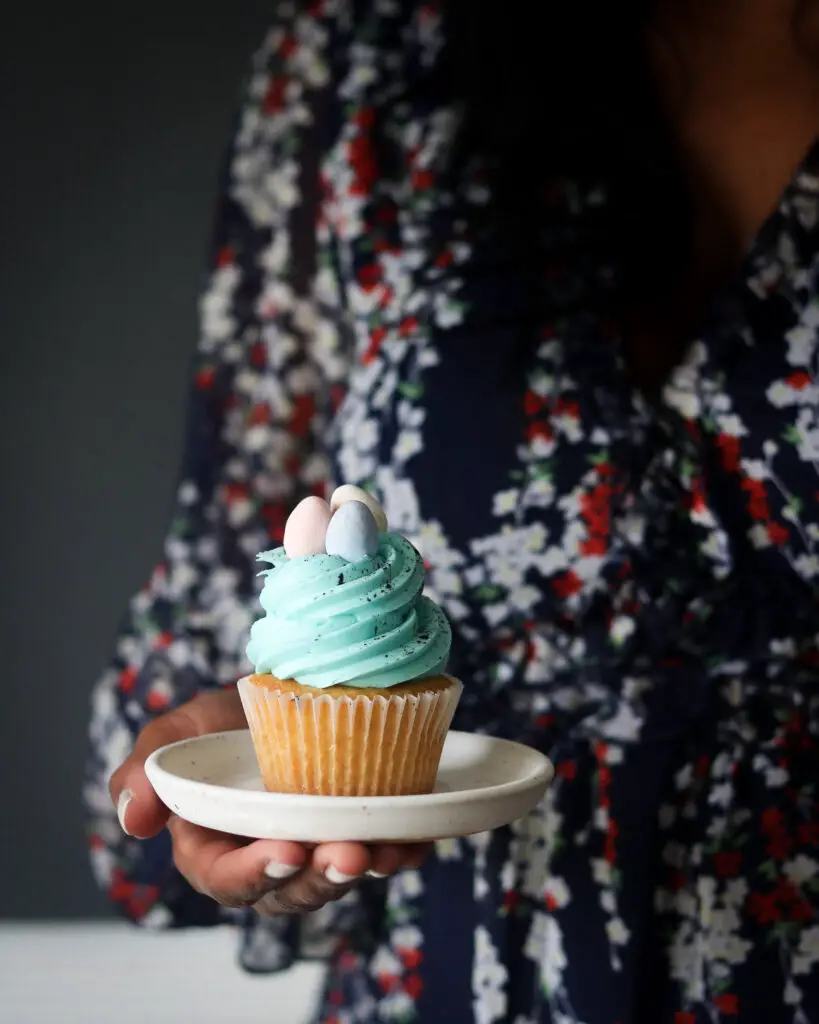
<point>349,741</point>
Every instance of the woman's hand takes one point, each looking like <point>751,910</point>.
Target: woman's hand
<point>274,876</point>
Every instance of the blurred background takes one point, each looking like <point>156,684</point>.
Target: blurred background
<point>113,128</point>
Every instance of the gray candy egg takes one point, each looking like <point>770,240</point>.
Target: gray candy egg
<point>352,533</point>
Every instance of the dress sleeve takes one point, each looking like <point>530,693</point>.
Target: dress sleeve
<point>260,403</point>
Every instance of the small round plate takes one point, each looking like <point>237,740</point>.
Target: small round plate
<point>483,783</point>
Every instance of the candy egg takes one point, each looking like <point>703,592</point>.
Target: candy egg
<point>306,528</point>
<point>352,533</point>
<point>349,492</point>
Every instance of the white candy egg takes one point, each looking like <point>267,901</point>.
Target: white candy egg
<point>306,528</point>
<point>349,492</point>
<point>353,532</point>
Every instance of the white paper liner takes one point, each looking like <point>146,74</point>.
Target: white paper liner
<point>340,745</point>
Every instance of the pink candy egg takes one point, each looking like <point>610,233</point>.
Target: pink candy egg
<point>306,528</point>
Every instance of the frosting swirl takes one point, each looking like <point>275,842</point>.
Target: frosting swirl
<point>329,621</point>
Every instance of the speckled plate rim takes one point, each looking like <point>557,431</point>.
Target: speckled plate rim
<point>258,814</point>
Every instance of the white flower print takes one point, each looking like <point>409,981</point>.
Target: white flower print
<point>488,980</point>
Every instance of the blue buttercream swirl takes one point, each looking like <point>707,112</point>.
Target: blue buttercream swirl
<point>365,623</point>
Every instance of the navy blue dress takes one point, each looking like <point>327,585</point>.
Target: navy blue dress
<point>632,584</point>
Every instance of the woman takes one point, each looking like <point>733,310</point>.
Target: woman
<point>547,282</point>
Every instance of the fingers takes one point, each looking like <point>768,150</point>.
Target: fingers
<point>276,877</point>
<point>141,813</point>
<point>233,873</point>
<point>333,870</point>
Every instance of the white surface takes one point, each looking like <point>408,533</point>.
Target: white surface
<point>482,783</point>
<point>118,974</point>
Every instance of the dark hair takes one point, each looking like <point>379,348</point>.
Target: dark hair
<point>551,90</point>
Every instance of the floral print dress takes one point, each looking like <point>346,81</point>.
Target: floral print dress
<point>632,585</point>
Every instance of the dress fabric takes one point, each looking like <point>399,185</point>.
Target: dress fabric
<point>632,584</point>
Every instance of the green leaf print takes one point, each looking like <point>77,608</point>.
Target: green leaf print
<point>410,390</point>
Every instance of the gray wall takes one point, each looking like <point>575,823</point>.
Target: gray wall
<point>111,135</point>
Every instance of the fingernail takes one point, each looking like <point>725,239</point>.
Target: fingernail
<point>376,874</point>
<point>336,877</point>
<point>125,797</point>
<point>279,871</point>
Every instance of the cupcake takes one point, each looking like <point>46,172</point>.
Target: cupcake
<point>349,696</point>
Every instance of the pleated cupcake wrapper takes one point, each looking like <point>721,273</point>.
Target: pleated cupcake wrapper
<point>377,745</point>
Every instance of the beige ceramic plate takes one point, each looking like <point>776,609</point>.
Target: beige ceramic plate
<point>482,783</point>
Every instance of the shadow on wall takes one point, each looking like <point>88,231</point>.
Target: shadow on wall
<point>112,134</point>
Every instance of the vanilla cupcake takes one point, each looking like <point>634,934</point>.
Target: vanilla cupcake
<point>349,696</point>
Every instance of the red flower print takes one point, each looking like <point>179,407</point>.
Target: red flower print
<point>567,770</point>
<point>225,256</point>
<point>533,403</point>
<point>235,492</point>
<point>763,908</point>
<point>386,981</point>
<point>771,820</point>
<point>337,393</point>
<point>205,378</point>
<point>369,276</point>
<point>726,1002</point>
<point>413,986</point>
<point>675,880</point>
<point>408,326</point>
<point>799,380</point>
<point>377,335</point>
<point>445,259</point>
<point>304,409</point>
<point>410,958</point>
<point>422,179</point>
<point>778,534</point>
<point>288,47</point>
<point>258,355</point>
<point>273,101</point>
<point>800,910</point>
<point>729,450</point>
<point>511,899</point>
<point>127,678</point>
<point>779,846</point>
<point>757,498</point>
<point>593,546</point>
<point>274,513</point>
<point>697,495</point>
<point>259,415</point>
<point>567,584</point>
<point>157,701</point>
<point>365,118</point>
<point>728,863</point>
<point>565,407</point>
<point>808,833</point>
<point>684,1018</point>
<point>539,429</point>
<point>362,161</point>
<point>610,846</point>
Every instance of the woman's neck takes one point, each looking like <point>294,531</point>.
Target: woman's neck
<point>740,87</point>
<point>740,84</point>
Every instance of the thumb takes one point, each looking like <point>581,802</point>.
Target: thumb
<point>141,813</point>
